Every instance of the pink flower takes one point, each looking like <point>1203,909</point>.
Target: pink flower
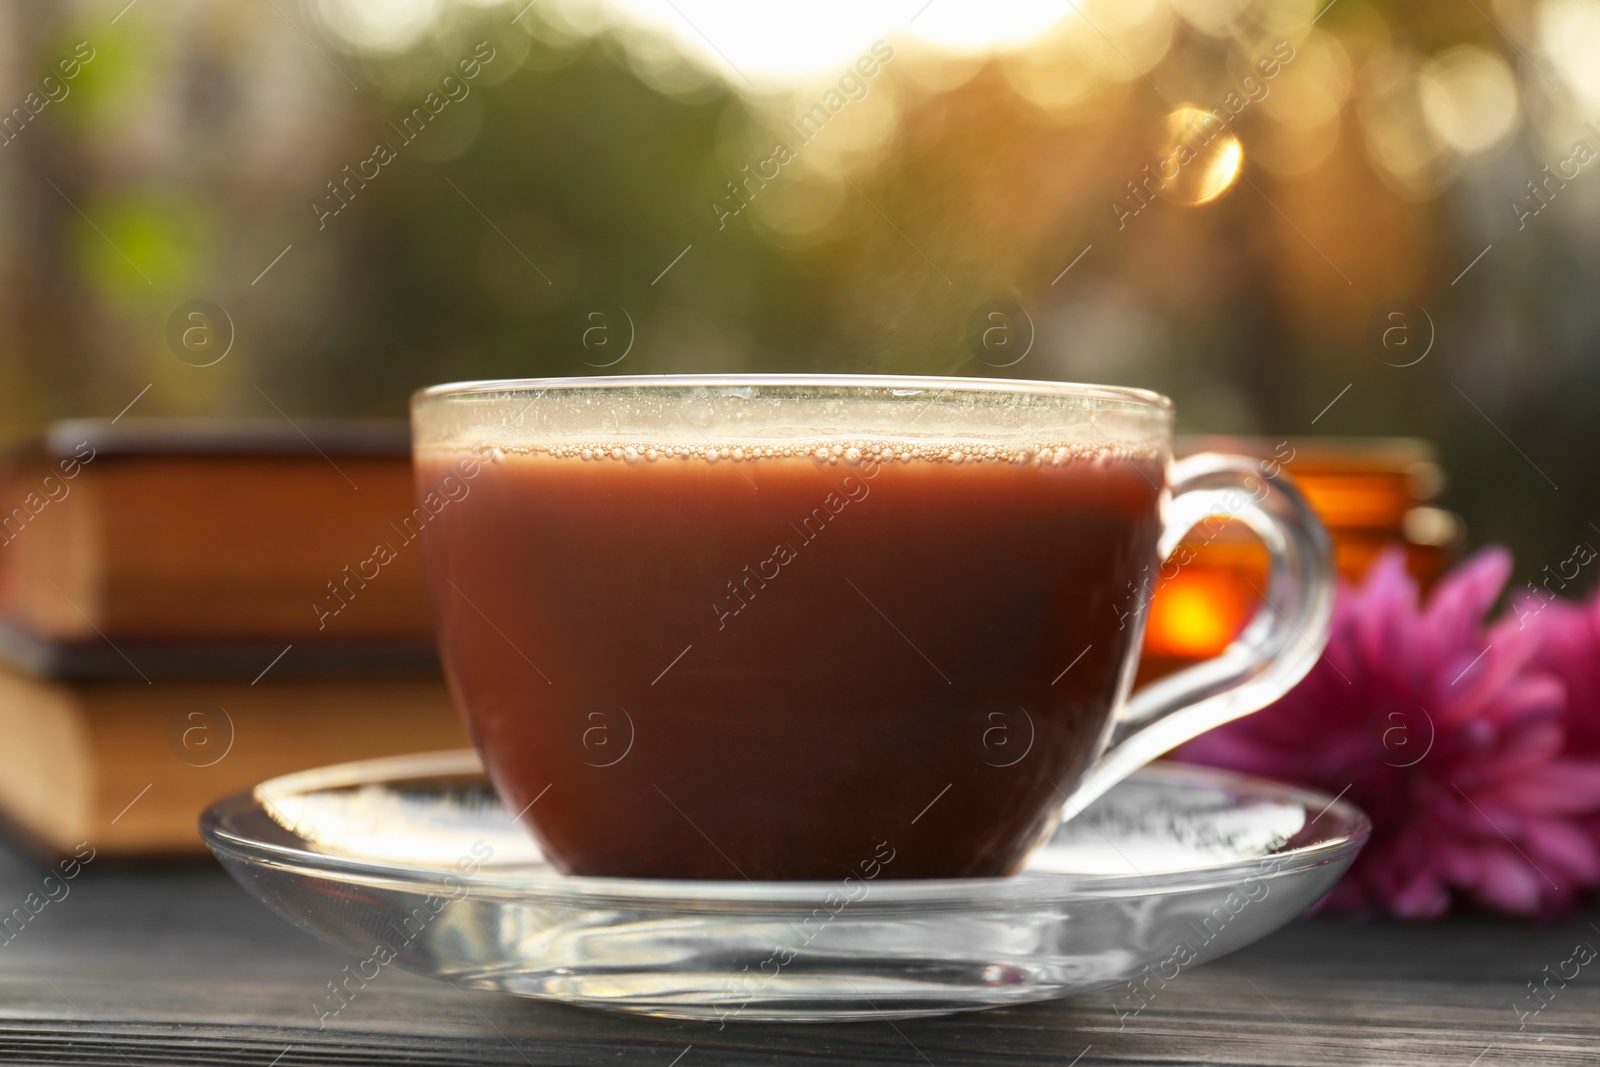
<point>1452,737</point>
<point>1566,640</point>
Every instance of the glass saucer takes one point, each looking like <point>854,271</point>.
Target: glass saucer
<point>412,861</point>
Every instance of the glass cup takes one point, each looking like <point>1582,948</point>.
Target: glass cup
<point>797,626</point>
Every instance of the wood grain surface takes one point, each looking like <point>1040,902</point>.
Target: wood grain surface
<point>179,966</point>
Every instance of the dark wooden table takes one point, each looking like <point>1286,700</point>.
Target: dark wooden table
<point>178,966</point>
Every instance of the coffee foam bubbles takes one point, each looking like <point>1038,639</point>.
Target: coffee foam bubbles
<point>853,450</point>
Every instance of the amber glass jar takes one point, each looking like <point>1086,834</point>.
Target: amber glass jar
<point>1370,492</point>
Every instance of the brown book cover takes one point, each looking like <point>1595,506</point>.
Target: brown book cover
<point>242,531</point>
<point>129,766</point>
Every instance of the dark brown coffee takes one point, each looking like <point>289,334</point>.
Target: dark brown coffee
<point>749,662</point>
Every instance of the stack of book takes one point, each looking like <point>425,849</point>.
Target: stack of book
<point>187,608</point>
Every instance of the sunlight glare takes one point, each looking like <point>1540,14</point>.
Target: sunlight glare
<point>775,43</point>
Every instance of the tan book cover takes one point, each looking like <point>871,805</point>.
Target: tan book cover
<point>129,766</point>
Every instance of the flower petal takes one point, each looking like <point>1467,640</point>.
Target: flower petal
<point>1566,850</point>
<point>1558,787</point>
<point>1453,617</point>
<point>1424,897</point>
<point>1384,610</point>
<point>1510,884</point>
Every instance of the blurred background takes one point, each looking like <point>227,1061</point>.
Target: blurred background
<point>1353,218</point>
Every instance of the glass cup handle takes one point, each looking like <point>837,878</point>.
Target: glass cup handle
<point>1276,649</point>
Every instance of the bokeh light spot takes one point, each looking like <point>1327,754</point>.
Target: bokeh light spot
<point>381,25</point>
<point>1569,31</point>
<point>1469,98</point>
<point>1205,154</point>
